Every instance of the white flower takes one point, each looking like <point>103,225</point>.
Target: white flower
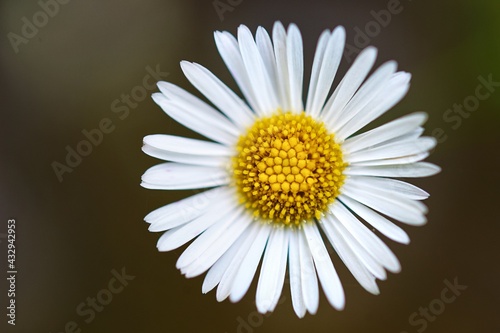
<point>280,172</point>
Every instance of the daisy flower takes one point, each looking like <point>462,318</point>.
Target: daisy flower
<point>288,182</point>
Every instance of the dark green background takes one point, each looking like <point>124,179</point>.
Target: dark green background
<point>71,234</point>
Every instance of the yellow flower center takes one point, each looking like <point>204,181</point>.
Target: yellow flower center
<point>288,168</point>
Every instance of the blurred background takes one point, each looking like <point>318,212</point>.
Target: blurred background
<point>70,67</point>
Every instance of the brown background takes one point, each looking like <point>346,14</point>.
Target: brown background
<point>71,234</point>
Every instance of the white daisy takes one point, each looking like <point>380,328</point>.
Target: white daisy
<point>279,172</point>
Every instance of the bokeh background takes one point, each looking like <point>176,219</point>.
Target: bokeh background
<point>71,234</point>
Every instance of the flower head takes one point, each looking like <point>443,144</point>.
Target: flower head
<point>278,172</point>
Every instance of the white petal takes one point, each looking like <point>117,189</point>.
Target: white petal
<point>281,269</point>
<point>394,161</point>
<point>399,198</point>
<point>414,170</point>
<point>368,259</point>
<point>183,145</point>
<point>326,62</point>
<point>257,73</point>
<point>215,273</point>
<point>368,91</point>
<point>398,208</point>
<point>280,52</point>
<point>195,106</point>
<point>230,52</point>
<point>319,55</point>
<point>270,274</point>
<point>224,239</point>
<point>208,124</point>
<point>265,47</point>
<point>386,227</point>
<point>186,100</point>
<point>326,272</point>
<point>393,150</point>
<point>227,279</point>
<point>202,160</point>
<point>249,265</point>
<point>394,91</point>
<point>350,259</point>
<point>185,210</point>
<point>366,238</point>
<point>407,137</point>
<point>295,61</point>
<point>207,239</point>
<point>349,84</point>
<point>295,280</point>
<point>385,132</point>
<point>308,277</point>
<point>392,186</point>
<point>180,235</point>
<point>218,93</point>
<point>176,176</point>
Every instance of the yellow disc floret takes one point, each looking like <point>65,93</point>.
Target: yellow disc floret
<point>288,168</point>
